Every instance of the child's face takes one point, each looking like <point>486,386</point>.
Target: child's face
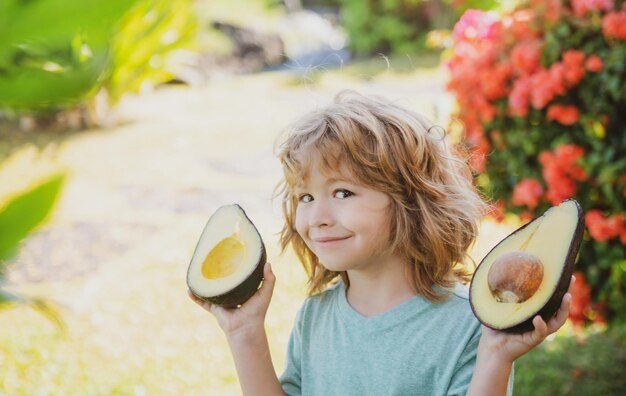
<point>346,225</point>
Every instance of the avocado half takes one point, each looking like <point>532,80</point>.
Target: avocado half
<point>227,266</point>
<point>553,239</point>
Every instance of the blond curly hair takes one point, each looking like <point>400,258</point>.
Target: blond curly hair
<point>386,147</point>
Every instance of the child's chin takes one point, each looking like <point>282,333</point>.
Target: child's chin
<point>336,267</point>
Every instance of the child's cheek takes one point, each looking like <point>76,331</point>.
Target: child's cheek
<point>300,223</point>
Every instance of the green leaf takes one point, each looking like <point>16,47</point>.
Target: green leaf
<point>147,32</point>
<point>54,52</point>
<point>23,213</point>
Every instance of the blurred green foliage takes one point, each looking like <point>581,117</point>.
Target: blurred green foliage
<point>570,366</point>
<point>20,215</point>
<point>24,212</point>
<point>55,54</point>
<point>400,26</point>
<point>146,34</point>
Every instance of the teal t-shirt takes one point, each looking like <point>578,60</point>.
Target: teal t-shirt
<point>416,348</point>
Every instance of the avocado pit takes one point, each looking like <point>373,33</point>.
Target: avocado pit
<point>515,277</point>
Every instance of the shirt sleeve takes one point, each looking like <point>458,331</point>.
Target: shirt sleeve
<point>290,379</point>
<point>459,384</point>
<point>464,368</point>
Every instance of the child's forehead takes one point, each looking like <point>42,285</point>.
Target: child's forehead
<point>329,171</point>
<point>329,174</point>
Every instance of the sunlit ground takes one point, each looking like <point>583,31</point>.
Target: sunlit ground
<point>114,256</point>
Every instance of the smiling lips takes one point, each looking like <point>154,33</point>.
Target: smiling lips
<point>329,241</point>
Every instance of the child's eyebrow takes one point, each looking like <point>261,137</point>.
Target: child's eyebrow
<point>302,186</point>
<point>340,179</point>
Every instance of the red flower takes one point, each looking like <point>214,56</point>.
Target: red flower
<point>525,56</point>
<point>520,24</point>
<point>566,115</point>
<point>557,78</point>
<point>543,89</point>
<point>594,64</point>
<point>560,170</point>
<point>573,57</point>
<point>581,300</point>
<point>474,25</point>
<point>594,221</point>
<point>552,9</point>
<point>527,192</point>
<point>526,215</point>
<point>603,228</point>
<point>567,155</point>
<point>614,25</point>
<point>560,188</point>
<point>573,61</point>
<point>495,87</point>
<point>581,7</point>
<point>519,97</point>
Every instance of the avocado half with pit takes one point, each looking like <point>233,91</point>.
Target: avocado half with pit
<point>529,271</point>
<point>227,266</point>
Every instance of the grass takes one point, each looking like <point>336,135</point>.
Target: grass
<point>113,257</point>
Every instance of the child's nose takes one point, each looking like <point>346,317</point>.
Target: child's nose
<point>321,215</point>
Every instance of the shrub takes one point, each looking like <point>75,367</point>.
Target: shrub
<point>398,26</point>
<point>575,366</point>
<point>541,92</point>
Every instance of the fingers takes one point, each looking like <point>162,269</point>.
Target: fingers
<point>259,300</point>
<point>269,280</point>
<point>541,330</point>
<point>204,304</point>
<point>561,315</point>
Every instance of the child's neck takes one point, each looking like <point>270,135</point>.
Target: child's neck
<point>380,288</point>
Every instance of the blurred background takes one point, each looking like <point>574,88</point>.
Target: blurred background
<point>125,124</point>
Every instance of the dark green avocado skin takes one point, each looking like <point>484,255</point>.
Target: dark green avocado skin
<point>553,304</point>
<point>242,292</point>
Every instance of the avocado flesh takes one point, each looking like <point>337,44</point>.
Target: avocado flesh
<point>554,238</point>
<point>227,266</point>
<point>223,258</point>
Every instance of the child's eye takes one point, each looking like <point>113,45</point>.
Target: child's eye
<point>343,194</point>
<point>305,198</point>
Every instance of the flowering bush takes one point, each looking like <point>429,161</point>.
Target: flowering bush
<point>542,99</point>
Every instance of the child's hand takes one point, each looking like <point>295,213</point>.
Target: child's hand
<point>251,315</point>
<point>511,346</point>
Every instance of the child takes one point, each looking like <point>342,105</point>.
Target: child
<point>380,213</point>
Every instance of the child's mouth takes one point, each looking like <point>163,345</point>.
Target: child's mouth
<point>329,241</point>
